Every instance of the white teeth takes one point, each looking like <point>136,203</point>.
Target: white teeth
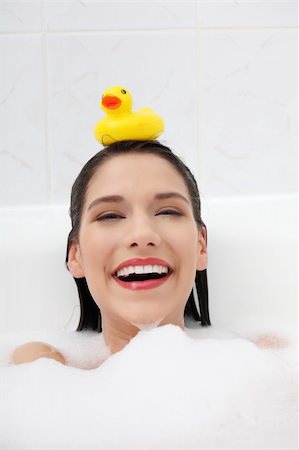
<point>126,271</point>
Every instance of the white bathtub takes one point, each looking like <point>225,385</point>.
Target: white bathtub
<point>252,270</point>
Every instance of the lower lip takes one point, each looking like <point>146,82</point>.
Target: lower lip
<point>138,285</point>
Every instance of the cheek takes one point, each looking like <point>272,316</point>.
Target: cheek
<point>95,249</point>
<point>186,243</point>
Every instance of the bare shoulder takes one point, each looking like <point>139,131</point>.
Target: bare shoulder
<point>270,341</point>
<point>34,350</point>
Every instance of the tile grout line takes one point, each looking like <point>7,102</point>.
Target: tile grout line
<point>46,104</point>
<point>145,31</point>
<point>100,32</point>
<point>198,86</point>
<point>201,149</point>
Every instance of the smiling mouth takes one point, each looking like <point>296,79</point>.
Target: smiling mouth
<point>142,272</point>
<point>142,277</point>
<point>151,277</point>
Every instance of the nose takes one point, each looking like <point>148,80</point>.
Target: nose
<point>141,233</point>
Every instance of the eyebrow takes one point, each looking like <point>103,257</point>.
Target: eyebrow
<point>120,199</point>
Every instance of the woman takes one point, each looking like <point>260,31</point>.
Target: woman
<point>137,245</point>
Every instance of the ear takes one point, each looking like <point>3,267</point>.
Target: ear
<point>202,257</point>
<point>74,261</point>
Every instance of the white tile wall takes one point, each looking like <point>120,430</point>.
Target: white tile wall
<point>20,15</point>
<point>74,15</point>
<point>222,73</point>
<point>248,108</point>
<point>247,13</point>
<point>23,156</point>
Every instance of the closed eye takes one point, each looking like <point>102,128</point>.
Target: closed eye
<point>171,212</point>
<point>110,216</point>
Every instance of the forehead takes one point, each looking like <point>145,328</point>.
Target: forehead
<point>135,172</point>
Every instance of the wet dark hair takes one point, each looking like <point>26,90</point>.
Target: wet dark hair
<point>90,318</point>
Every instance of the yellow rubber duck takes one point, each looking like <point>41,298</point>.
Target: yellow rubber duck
<point>121,123</point>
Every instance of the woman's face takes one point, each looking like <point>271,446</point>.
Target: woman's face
<point>137,220</point>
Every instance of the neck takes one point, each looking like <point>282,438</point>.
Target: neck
<point>117,335</point>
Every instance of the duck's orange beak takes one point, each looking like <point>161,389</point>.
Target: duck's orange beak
<point>111,102</point>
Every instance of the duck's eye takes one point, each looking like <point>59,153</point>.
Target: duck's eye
<point>123,91</point>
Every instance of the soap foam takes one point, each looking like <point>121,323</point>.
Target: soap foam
<point>164,390</point>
